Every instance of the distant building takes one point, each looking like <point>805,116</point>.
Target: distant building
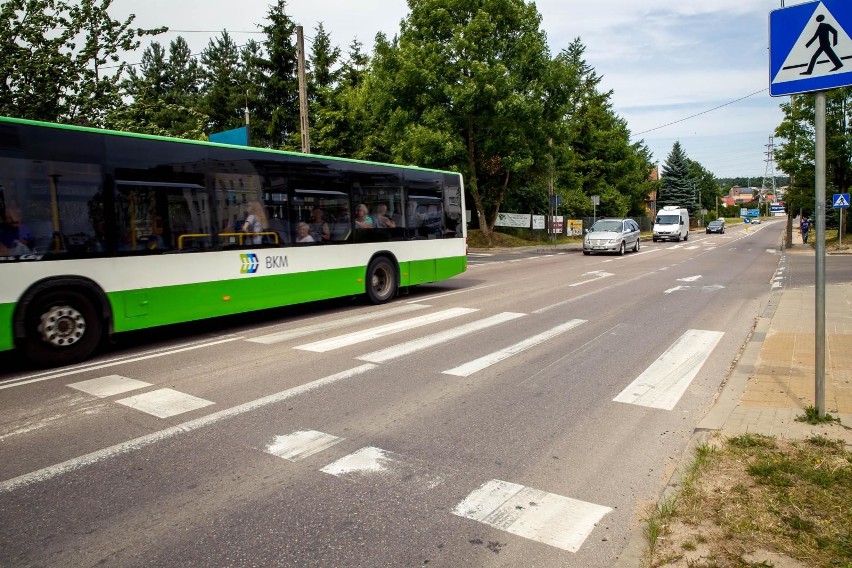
<point>739,195</point>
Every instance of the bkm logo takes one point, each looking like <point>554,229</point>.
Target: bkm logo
<point>250,263</point>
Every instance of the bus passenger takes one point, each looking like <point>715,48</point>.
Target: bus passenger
<point>342,224</point>
<point>255,222</point>
<point>362,217</point>
<point>15,237</point>
<point>318,227</point>
<point>303,233</point>
<point>382,220</point>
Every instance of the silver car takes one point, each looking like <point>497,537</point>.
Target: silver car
<point>612,235</point>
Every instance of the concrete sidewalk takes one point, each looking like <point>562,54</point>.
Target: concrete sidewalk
<point>774,379</point>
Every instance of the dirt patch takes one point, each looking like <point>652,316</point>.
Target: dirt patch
<point>754,501</point>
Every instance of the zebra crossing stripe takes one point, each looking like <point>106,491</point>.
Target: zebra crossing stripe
<point>431,340</point>
<point>486,361</point>
<point>548,518</point>
<point>382,330</point>
<point>331,324</point>
<point>302,444</point>
<point>663,383</point>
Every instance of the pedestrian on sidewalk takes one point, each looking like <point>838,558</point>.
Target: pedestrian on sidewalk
<point>804,226</point>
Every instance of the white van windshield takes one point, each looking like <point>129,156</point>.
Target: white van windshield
<point>668,220</point>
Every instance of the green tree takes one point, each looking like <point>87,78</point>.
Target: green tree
<point>323,79</point>
<point>277,123</point>
<point>54,56</point>
<point>592,151</point>
<point>796,155</point>
<point>224,93</point>
<point>344,124</point>
<point>164,95</point>
<point>461,88</point>
<point>677,186</point>
<point>706,186</point>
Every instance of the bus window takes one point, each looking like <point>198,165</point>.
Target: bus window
<point>162,217</point>
<point>381,192</point>
<point>50,208</point>
<point>244,217</point>
<point>424,205</point>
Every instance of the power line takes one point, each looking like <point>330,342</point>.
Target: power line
<point>700,113</point>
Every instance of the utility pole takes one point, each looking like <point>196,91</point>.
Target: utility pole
<point>770,170</point>
<point>303,92</point>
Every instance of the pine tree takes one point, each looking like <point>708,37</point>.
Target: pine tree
<point>676,184</point>
<point>277,124</point>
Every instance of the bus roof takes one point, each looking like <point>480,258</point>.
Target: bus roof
<point>28,122</point>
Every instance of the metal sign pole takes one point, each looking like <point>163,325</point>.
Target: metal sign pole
<point>819,230</point>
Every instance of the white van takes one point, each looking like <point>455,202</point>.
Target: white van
<point>671,224</point>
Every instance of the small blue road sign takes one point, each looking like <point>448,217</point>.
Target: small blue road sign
<point>840,201</point>
<point>810,48</point>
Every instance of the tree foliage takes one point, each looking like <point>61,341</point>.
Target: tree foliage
<point>54,56</point>
<point>677,184</point>
<point>468,85</point>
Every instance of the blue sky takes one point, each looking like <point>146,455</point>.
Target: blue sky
<point>664,60</point>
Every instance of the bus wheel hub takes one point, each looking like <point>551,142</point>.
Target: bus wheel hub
<point>62,326</point>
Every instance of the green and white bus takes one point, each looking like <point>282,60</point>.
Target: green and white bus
<point>103,232</point>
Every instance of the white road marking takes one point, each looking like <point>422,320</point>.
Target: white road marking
<point>548,518</point>
<point>409,347</point>
<point>712,288</point>
<point>382,330</point>
<point>109,385</point>
<point>663,383</point>
<point>164,403</point>
<point>689,278</point>
<point>771,251</point>
<point>322,326</point>
<point>483,362</point>
<point>677,289</point>
<point>111,363</point>
<point>302,444</point>
<point>453,293</point>
<point>365,460</point>
<point>391,467</point>
<point>74,464</point>
<point>598,274</point>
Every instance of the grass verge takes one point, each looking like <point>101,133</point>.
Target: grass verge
<point>755,501</point>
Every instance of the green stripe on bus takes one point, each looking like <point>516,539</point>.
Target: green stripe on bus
<point>6,340</point>
<point>140,309</point>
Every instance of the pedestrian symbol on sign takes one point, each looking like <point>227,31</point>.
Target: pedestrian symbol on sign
<point>827,37</point>
<point>823,48</point>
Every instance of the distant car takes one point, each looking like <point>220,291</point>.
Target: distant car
<point>756,221</point>
<point>716,227</point>
<point>612,235</point>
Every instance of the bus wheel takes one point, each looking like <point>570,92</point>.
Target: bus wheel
<point>62,327</point>
<point>381,280</point>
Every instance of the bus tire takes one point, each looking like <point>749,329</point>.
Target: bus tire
<point>62,327</point>
<point>381,280</point>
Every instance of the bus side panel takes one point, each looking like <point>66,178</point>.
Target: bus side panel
<point>449,267</point>
<point>165,305</point>
<point>421,271</point>
<point>7,342</point>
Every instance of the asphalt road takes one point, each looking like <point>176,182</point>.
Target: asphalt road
<point>525,413</point>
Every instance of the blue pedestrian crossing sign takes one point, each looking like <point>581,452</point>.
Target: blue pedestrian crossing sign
<point>810,48</point>
<point>840,201</point>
